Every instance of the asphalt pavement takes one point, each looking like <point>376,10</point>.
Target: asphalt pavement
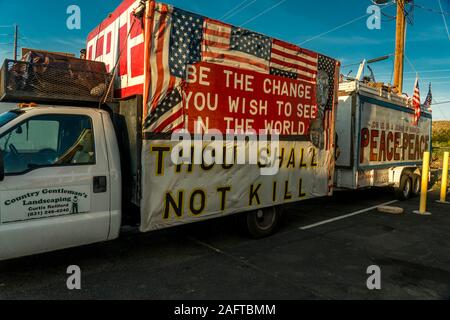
<point>321,251</point>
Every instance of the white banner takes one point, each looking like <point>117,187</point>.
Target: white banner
<point>177,194</point>
<point>389,136</point>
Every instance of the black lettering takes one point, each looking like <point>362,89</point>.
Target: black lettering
<point>177,207</point>
<point>197,211</point>
<point>287,194</point>
<point>254,194</point>
<point>223,191</point>
<point>160,158</point>
<point>301,194</point>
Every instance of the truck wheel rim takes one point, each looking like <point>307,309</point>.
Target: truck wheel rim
<point>407,188</point>
<point>265,218</point>
<point>417,186</point>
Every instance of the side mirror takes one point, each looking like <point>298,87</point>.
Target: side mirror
<point>2,167</point>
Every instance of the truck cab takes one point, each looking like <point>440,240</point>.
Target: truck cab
<point>60,179</point>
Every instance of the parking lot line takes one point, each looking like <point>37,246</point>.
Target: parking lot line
<point>346,216</point>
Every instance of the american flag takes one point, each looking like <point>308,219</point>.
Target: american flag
<point>180,39</point>
<point>174,43</point>
<point>416,102</point>
<point>292,62</point>
<point>428,100</point>
<point>235,47</point>
<point>329,66</point>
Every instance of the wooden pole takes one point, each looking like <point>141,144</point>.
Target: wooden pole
<point>399,46</point>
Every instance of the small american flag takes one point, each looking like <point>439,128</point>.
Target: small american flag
<point>329,66</point>
<point>416,102</point>
<point>290,61</point>
<point>428,100</point>
<point>227,45</point>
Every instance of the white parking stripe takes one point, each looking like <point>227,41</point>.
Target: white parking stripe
<point>347,215</point>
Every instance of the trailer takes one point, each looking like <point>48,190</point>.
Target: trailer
<point>379,143</point>
<point>207,120</point>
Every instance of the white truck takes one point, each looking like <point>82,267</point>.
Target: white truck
<point>379,144</point>
<point>74,170</point>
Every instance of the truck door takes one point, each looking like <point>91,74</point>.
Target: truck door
<point>55,193</point>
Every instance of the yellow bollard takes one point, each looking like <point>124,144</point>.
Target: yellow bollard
<point>424,189</point>
<point>444,179</point>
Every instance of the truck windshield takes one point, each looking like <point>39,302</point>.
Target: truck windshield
<point>9,116</point>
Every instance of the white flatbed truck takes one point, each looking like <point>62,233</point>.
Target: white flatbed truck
<point>75,168</point>
<point>379,144</point>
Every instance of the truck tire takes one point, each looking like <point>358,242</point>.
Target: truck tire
<point>416,185</point>
<point>261,223</point>
<point>404,191</point>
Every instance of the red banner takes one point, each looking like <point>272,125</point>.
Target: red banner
<point>225,98</point>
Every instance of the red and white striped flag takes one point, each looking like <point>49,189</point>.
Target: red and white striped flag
<point>416,102</point>
<point>227,45</point>
<point>165,105</point>
<point>289,60</point>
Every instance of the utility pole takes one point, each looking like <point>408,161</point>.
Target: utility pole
<point>400,38</point>
<point>16,36</point>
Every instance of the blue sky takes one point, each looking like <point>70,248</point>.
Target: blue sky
<point>43,25</point>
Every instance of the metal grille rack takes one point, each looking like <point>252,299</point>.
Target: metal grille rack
<point>71,80</point>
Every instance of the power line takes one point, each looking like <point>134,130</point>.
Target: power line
<point>264,12</point>
<point>440,103</point>
<point>422,71</point>
<point>432,10</point>
<point>445,21</point>
<point>229,12</point>
<point>341,26</point>
<point>240,10</point>
<point>432,78</point>
<point>410,64</point>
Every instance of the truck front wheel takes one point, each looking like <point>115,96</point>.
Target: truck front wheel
<point>404,191</point>
<point>262,223</point>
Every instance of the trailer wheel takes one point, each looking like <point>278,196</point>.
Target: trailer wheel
<point>416,182</point>
<point>404,191</point>
<point>262,223</point>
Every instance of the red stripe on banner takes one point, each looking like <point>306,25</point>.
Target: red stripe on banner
<point>108,42</point>
<point>211,43</point>
<point>159,59</point>
<point>293,47</point>
<point>129,91</point>
<point>99,47</point>
<point>224,56</point>
<point>180,126</point>
<point>168,121</point>
<point>211,32</point>
<point>294,66</point>
<point>137,63</point>
<point>171,84</point>
<point>294,57</point>
<point>123,59</point>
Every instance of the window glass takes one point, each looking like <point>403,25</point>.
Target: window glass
<point>48,140</point>
<point>8,116</point>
